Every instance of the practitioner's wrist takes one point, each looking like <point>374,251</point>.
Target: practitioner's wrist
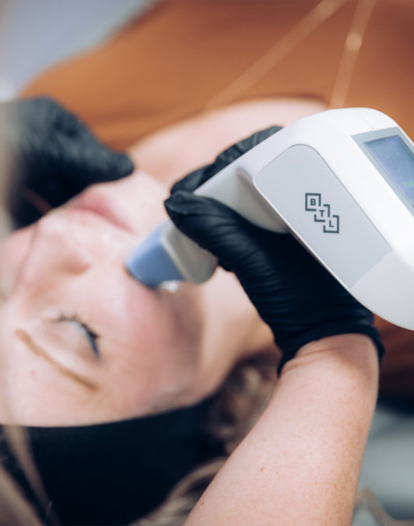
<point>343,350</point>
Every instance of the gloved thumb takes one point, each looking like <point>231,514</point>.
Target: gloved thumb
<point>195,179</point>
<point>218,229</point>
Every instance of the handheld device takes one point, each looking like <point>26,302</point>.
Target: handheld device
<point>342,182</point>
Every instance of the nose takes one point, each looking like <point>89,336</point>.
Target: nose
<point>55,248</point>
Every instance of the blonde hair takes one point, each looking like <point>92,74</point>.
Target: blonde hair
<point>14,507</point>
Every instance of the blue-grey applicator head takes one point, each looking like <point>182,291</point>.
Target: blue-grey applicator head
<point>150,264</point>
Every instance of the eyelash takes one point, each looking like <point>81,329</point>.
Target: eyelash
<point>92,335</point>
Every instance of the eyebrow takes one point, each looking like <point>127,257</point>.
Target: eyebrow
<point>39,351</point>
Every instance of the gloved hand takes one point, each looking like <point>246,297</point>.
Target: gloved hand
<point>298,299</point>
<point>52,156</point>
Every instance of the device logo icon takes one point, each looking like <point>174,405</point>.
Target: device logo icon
<point>313,203</point>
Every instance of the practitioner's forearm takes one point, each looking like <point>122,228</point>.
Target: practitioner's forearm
<point>301,462</point>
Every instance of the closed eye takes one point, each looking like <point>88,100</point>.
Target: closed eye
<point>40,351</point>
<point>91,335</point>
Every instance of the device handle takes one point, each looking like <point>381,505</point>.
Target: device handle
<point>233,186</point>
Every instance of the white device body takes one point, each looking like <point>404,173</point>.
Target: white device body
<point>318,180</point>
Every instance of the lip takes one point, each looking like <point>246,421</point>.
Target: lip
<point>102,205</point>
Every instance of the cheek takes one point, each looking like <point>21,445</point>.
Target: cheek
<point>184,312</point>
<point>149,331</point>
<point>166,324</point>
<point>137,327</point>
<point>142,357</point>
<point>157,339</point>
<point>12,253</point>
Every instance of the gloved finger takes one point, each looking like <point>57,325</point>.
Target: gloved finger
<point>67,167</point>
<point>29,208</point>
<point>218,229</point>
<point>47,114</point>
<point>195,179</point>
<point>27,203</point>
<point>51,142</point>
<point>84,160</point>
<point>56,183</point>
<point>246,249</point>
<point>71,149</point>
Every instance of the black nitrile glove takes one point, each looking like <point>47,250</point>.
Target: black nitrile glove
<point>53,156</point>
<point>298,299</point>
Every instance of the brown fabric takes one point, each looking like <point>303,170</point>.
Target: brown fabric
<point>167,65</point>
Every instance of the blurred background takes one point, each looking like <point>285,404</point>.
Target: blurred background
<point>37,35</point>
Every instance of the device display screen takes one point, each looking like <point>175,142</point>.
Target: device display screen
<point>397,160</point>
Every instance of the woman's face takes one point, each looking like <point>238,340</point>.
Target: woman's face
<point>80,340</point>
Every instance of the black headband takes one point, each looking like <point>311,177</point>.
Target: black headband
<point>117,472</point>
